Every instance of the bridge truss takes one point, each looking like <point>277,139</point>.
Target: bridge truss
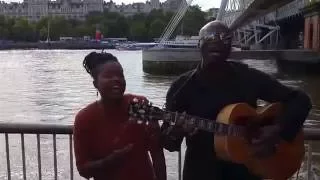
<point>262,29</point>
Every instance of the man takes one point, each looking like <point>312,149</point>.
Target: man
<point>214,84</point>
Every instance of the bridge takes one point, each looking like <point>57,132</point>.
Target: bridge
<point>261,23</point>
<point>285,30</point>
<point>256,21</point>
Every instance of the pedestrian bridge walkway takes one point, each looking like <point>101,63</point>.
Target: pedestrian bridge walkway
<point>238,13</point>
<point>255,21</point>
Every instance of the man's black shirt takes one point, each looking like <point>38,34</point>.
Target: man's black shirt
<point>205,97</point>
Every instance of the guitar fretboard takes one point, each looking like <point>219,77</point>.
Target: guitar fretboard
<point>189,121</point>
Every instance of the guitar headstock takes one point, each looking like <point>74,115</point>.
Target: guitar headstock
<point>141,111</point>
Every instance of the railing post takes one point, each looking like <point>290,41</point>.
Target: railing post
<point>71,156</point>
<point>8,156</point>
<point>55,165</point>
<point>179,164</point>
<point>23,157</point>
<point>39,156</point>
<point>309,161</point>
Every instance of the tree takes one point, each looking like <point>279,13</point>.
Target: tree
<point>4,32</point>
<point>22,30</point>
<point>138,31</point>
<point>43,33</point>
<point>139,27</point>
<point>2,21</point>
<point>193,20</point>
<point>156,28</point>
<point>60,27</point>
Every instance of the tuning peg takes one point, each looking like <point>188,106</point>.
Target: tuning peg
<point>142,111</point>
<point>135,100</point>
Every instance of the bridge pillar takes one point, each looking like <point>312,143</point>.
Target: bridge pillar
<point>312,26</point>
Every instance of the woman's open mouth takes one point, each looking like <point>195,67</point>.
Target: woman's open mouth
<point>116,89</point>
<point>214,53</point>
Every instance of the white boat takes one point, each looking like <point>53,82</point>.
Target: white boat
<point>134,46</point>
<point>180,42</point>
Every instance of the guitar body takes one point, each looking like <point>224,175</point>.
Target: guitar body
<point>280,166</point>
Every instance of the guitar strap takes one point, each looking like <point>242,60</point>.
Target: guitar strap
<point>179,91</point>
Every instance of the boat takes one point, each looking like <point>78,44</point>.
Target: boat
<point>180,41</point>
<point>133,46</point>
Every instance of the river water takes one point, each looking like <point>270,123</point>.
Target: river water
<point>42,86</point>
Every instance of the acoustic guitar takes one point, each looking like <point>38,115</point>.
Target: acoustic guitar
<point>233,130</point>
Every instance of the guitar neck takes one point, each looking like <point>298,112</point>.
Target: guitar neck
<point>146,112</point>
<point>188,121</point>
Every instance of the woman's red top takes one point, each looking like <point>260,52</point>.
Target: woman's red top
<point>98,131</point>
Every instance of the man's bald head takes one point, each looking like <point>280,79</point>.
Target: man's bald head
<point>213,27</point>
<point>215,42</point>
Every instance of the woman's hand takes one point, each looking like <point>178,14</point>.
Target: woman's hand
<point>119,153</point>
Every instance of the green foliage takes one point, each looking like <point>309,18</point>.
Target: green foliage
<point>139,27</point>
<point>156,27</point>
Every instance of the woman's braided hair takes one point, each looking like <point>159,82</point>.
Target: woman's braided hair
<point>94,60</point>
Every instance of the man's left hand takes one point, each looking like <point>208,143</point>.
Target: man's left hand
<point>265,145</point>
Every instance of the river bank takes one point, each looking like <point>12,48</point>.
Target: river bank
<point>56,45</point>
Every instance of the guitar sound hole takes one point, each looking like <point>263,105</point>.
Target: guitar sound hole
<point>253,127</point>
<point>266,121</point>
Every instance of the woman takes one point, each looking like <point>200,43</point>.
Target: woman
<point>106,146</point>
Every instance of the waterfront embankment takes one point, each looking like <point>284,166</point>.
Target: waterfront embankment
<point>56,45</point>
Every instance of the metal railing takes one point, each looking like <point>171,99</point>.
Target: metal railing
<point>7,129</point>
<point>37,129</point>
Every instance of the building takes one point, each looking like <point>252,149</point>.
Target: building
<point>34,10</point>
<point>172,5</point>
<point>212,13</point>
<point>14,9</point>
<point>131,9</point>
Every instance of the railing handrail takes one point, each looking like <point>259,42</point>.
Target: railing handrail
<point>32,128</point>
<point>312,134</point>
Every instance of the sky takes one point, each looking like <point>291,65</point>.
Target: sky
<point>204,4</point>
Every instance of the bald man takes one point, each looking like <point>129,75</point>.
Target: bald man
<point>215,83</point>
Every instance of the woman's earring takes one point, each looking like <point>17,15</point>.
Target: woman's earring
<point>97,94</point>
